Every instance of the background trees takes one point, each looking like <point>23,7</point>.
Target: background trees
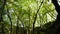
<point>25,15</point>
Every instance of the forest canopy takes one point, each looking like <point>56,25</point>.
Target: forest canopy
<point>23,13</point>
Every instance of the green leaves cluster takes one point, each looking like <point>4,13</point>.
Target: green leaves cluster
<point>26,10</point>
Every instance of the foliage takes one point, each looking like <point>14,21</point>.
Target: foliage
<point>25,11</point>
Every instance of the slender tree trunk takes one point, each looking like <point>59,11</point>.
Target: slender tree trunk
<point>10,21</point>
<point>17,28</point>
<point>36,16</point>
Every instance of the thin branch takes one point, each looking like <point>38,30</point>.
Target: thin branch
<point>37,12</point>
<point>51,16</point>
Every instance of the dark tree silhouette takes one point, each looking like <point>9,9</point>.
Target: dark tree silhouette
<point>1,14</point>
<point>57,22</point>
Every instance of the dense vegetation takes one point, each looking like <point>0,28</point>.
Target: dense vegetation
<point>28,16</point>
